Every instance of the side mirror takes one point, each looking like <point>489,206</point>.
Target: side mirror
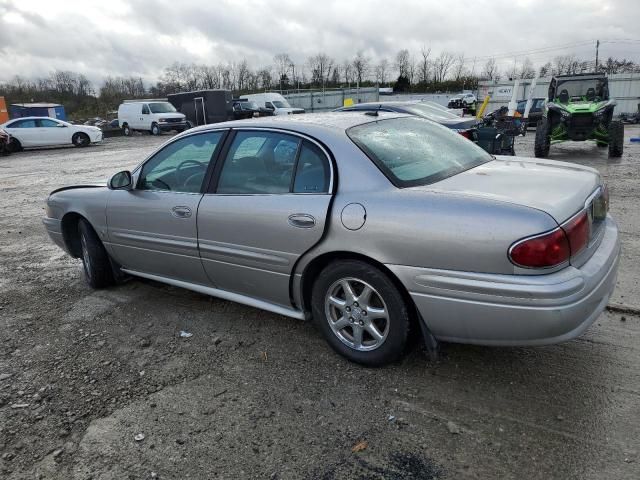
<point>121,181</point>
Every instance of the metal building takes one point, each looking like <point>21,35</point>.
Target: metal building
<point>52,110</point>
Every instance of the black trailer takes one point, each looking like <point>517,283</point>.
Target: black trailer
<point>204,106</point>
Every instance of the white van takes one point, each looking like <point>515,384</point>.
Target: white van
<point>273,101</point>
<point>154,116</point>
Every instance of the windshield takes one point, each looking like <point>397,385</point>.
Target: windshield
<point>413,151</point>
<point>161,107</point>
<point>430,112</point>
<point>281,104</point>
<point>577,90</point>
<point>249,105</point>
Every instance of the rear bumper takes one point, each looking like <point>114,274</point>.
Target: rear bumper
<point>509,310</point>
<point>53,226</point>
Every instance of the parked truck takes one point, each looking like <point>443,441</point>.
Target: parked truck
<point>274,102</point>
<point>204,106</point>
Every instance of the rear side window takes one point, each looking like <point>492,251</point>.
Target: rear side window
<point>413,151</point>
<point>23,124</point>
<point>259,163</point>
<point>312,171</point>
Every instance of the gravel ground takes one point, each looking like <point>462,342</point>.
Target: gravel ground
<point>99,384</point>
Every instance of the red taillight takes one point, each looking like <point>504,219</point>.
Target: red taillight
<point>465,133</point>
<point>577,230</point>
<point>543,251</point>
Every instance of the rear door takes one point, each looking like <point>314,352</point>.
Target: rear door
<point>266,206</point>
<point>26,131</point>
<point>152,229</point>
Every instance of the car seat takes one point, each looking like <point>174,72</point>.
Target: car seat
<point>591,94</point>
<point>564,96</point>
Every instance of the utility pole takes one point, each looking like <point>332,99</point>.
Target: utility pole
<point>597,48</point>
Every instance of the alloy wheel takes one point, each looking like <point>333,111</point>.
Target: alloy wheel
<point>357,314</point>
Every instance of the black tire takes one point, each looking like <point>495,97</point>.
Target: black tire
<point>126,130</point>
<point>155,129</point>
<point>543,139</point>
<point>80,139</point>
<point>395,327</point>
<point>15,145</point>
<point>616,138</point>
<point>95,259</point>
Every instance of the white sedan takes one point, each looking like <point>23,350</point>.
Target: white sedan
<point>29,132</point>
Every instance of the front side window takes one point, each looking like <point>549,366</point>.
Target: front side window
<point>180,166</point>
<point>161,107</point>
<point>145,109</point>
<point>259,163</point>
<point>413,151</point>
<point>45,123</point>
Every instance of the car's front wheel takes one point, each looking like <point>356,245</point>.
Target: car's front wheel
<point>95,259</point>
<point>81,139</point>
<point>361,313</point>
<point>543,140</point>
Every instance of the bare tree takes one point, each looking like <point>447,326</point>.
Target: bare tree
<point>526,69</point>
<point>441,66</point>
<point>264,74</point>
<point>243,75</point>
<point>382,69</point>
<point>490,71</point>
<point>321,66</point>
<point>459,69</point>
<point>347,71</point>
<point>360,66</point>
<point>546,69</point>
<point>424,65</point>
<point>403,60</point>
<point>282,63</point>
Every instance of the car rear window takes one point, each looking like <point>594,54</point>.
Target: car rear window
<point>413,151</point>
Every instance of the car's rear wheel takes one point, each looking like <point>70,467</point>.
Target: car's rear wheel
<point>616,138</point>
<point>543,139</point>
<point>80,139</point>
<point>155,129</point>
<point>361,313</point>
<point>95,259</point>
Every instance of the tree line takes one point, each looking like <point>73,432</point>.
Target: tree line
<point>407,71</point>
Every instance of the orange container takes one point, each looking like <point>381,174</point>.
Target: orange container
<point>4,115</point>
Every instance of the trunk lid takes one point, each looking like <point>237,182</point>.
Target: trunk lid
<point>557,188</point>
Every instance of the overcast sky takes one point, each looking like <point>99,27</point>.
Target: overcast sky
<point>140,37</point>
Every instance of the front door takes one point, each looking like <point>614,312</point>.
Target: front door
<point>267,206</point>
<point>152,228</point>
<point>201,114</point>
<point>54,132</point>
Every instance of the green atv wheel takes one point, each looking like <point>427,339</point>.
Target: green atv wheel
<point>616,138</point>
<point>543,139</point>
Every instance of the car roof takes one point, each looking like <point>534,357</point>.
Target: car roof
<point>305,122</point>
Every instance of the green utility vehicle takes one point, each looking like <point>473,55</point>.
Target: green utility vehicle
<point>579,109</point>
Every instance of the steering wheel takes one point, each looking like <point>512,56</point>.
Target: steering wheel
<point>196,179</point>
<point>179,179</point>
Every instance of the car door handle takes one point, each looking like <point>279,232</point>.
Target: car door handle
<point>302,220</point>
<point>181,212</point>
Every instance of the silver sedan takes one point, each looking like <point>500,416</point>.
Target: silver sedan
<point>371,224</point>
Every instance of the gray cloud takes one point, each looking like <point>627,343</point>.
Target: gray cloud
<point>140,38</point>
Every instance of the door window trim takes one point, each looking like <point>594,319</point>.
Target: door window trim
<point>220,159</point>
